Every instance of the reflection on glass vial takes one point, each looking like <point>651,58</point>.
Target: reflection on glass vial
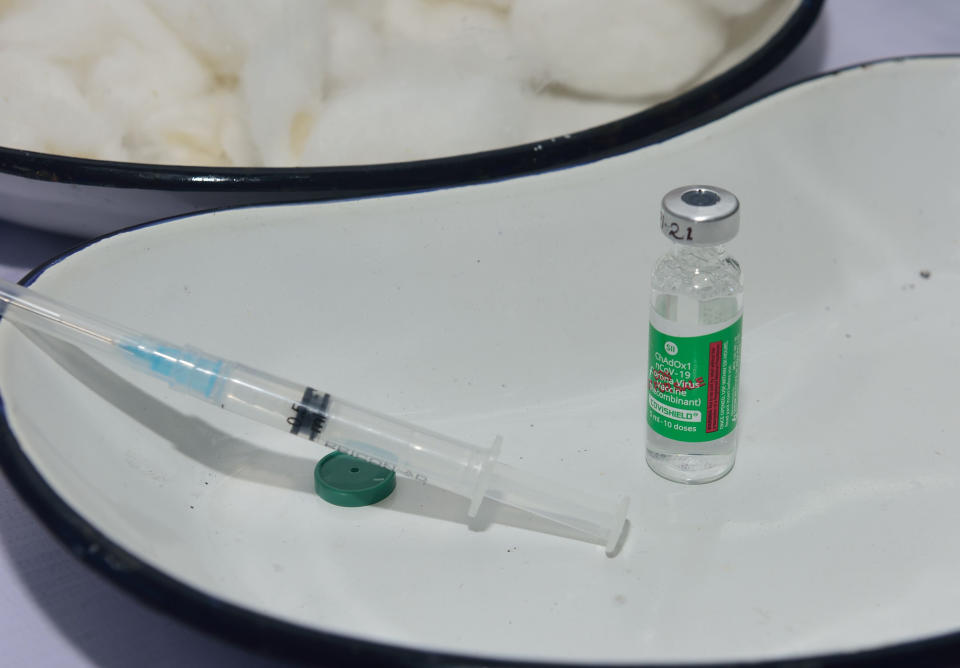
<point>696,307</point>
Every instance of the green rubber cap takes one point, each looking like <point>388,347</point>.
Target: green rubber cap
<point>344,480</point>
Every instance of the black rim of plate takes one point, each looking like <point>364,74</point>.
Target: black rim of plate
<point>323,183</point>
<point>272,637</point>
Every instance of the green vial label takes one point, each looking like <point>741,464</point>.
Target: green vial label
<point>693,384</point>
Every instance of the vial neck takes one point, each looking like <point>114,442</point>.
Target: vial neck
<point>700,254</point>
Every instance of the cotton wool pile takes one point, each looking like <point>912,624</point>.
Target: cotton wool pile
<point>335,82</point>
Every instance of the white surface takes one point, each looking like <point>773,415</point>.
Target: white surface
<point>55,612</point>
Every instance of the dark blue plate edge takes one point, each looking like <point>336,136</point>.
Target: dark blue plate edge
<point>323,183</point>
<point>274,638</point>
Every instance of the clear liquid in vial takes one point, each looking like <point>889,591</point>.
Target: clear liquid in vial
<point>694,291</point>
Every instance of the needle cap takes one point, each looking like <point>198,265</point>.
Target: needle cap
<point>344,480</point>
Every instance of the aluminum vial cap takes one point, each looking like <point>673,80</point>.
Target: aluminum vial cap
<point>700,215</point>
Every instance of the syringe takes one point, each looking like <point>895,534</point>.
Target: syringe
<point>453,465</point>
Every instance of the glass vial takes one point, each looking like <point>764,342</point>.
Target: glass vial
<point>696,307</point>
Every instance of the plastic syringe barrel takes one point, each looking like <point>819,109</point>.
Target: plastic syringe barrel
<point>316,416</point>
<point>600,518</point>
<point>430,457</point>
<point>456,466</point>
<point>470,471</point>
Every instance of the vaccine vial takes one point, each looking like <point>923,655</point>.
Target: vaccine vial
<point>696,307</point>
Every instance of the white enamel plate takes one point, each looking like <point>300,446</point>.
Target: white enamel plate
<point>520,308</point>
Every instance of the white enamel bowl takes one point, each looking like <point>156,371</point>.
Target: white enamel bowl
<point>84,197</point>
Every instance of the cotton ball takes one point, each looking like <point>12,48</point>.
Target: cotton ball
<point>222,32</point>
<point>393,118</point>
<point>562,115</point>
<point>238,147</point>
<point>737,8</point>
<point>72,32</point>
<point>198,131</point>
<point>117,59</point>
<point>370,11</point>
<point>355,48</point>
<point>129,81</point>
<point>218,32</point>
<point>144,71</point>
<point>498,5</point>
<point>281,84</point>
<point>452,29</point>
<point>273,55</point>
<point>138,24</point>
<point>443,83</point>
<point>43,110</point>
<point>66,31</point>
<point>622,48</point>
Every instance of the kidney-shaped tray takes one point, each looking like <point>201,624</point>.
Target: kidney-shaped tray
<point>520,308</point>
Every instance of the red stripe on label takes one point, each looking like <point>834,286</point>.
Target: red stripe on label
<point>713,385</point>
